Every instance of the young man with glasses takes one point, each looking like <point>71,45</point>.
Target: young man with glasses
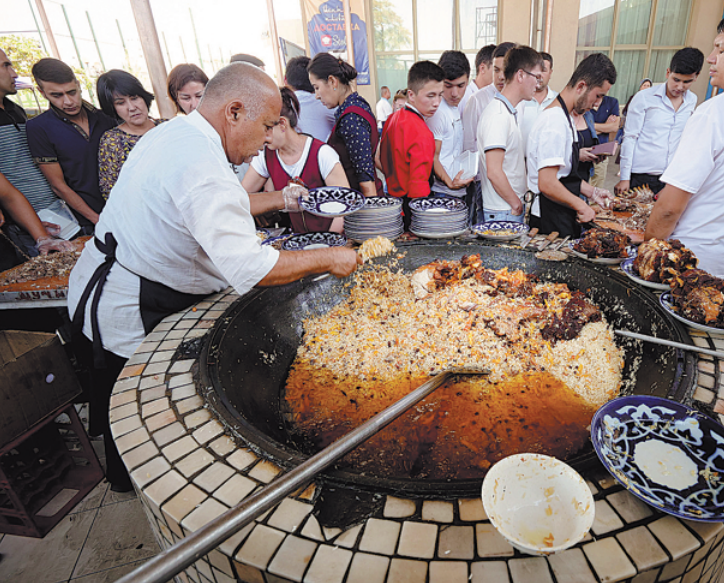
<point>500,142</point>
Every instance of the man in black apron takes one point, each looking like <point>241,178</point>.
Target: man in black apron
<point>177,227</point>
<point>553,151</point>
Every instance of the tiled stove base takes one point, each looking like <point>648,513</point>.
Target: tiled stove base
<point>187,471</point>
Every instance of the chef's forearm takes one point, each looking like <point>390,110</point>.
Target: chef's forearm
<point>666,213</point>
<point>293,265</point>
<point>266,202</point>
<point>14,203</point>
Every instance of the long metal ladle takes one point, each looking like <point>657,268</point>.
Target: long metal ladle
<point>165,565</point>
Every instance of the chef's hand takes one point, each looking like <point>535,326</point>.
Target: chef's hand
<point>602,197</point>
<point>292,193</point>
<point>585,214</point>
<point>344,261</point>
<point>52,228</point>
<point>45,245</point>
<point>622,187</point>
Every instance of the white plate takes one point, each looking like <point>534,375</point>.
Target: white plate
<point>600,260</point>
<point>519,228</point>
<point>428,235</point>
<point>332,201</point>
<point>668,305</point>
<point>630,271</point>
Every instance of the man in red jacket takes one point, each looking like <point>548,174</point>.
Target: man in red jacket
<point>407,149</point>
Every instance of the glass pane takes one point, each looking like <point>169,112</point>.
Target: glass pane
<point>580,55</point>
<point>672,18</point>
<point>595,23</point>
<point>434,25</point>
<point>434,57</point>
<point>393,25</point>
<point>633,22</point>
<point>630,71</point>
<point>478,23</point>
<point>392,71</point>
<point>658,64</point>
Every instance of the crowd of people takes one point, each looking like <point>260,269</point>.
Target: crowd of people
<point>171,205</point>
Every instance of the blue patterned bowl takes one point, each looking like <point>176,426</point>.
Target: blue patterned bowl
<point>332,201</point>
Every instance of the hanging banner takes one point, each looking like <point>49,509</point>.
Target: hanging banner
<point>326,32</point>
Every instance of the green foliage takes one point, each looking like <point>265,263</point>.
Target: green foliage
<point>390,33</point>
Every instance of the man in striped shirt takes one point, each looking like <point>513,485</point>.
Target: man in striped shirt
<point>23,188</point>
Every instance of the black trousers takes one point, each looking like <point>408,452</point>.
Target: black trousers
<point>650,180</point>
<point>102,381</point>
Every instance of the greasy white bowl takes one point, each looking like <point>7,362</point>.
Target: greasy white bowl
<point>538,503</point>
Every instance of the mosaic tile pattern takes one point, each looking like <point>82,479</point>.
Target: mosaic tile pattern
<point>187,471</point>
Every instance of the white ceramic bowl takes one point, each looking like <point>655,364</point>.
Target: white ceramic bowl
<point>538,503</point>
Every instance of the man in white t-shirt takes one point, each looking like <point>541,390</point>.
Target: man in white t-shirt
<point>529,110</point>
<point>553,151</point>
<point>483,75</point>
<point>500,142</point>
<point>383,109</point>
<point>691,205</point>
<point>447,126</point>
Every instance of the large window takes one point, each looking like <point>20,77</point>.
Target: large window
<point>640,36</point>
<point>411,30</point>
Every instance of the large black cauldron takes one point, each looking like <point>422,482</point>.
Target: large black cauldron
<point>249,352</point>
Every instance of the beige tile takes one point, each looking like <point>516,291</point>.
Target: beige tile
<point>674,536</point>
<point>169,434</point>
<point>209,431</point>
<point>122,399</point>
<point>242,458</point>
<point>153,394</point>
<point>265,471</point>
<point>220,563</point>
<point>222,446</point>
<point>675,569</point>
<point>331,533</point>
<point>456,542</point>
<point>181,366</point>
<point>190,404</point>
<point>182,504</point>
<point>489,572</point>
<point>406,571</point>
<point>181,380</point>
<point>131,371</point>
<point>418,540</point>
<point>161,420</point>
<point>533,570</point>
<point>471,510</point>
<point>120,534</point>
<point>448,572</point>
<point>606,519</point>
<point>150,471</point>
<point>157,369</point>
<point>437,511</point>
<point>368,569</point>
<point>125,426</point>
<point>329,565</point>
<point>49,559</point>
<point>183,392</point>
<point>643,548</point>
<point>197,418</point>
<point>206,511</point>
<point>490,543</point>
<point>180,448</point>
<point>648,577</point>
<point>132,439</point>
<point>399,507</point>
<point>292,558</point>
<point>259,547</point>
<point>706,530</point>
<point>161,355</point>
<point>165,487</point>
<point>231,545</point>
<point>140,455</point>
<point>313,530</point>
<point>149,383</point>
<point>235,490</point>
<point>380,536</point>
<point>154,407</point>
<point>126,385</point>
<point>702,552</point>
<point>609,560</point>
<point>194,463</point>
<point>289,515</point>
<point>211,478</point>
<point>694,574</point>
<point>109,575</point>
<point>628,506</point>
<point>349,537</point>
<point>248,574</point>
<point>571,567</point>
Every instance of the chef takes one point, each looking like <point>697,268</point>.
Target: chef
<point>178,227</point>
<point>691,205</point>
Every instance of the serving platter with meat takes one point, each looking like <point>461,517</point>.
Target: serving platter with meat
<point>629,213</point>
<point>248,356</point>
<point>602,246</point>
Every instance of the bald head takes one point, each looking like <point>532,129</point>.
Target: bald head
<point>243,104</point>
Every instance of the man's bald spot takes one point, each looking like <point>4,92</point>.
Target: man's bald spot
<point>249,84</point>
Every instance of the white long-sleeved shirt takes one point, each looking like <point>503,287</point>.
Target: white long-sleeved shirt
<point>652,131</point>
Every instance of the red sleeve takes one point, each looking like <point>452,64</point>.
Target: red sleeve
<point>421,152</point>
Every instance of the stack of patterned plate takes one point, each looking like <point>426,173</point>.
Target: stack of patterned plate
<point>439,218</point>
<point>380,216</point>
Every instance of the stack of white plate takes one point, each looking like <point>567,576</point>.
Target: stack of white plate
<point>380,216</point>
<point>439,218</point>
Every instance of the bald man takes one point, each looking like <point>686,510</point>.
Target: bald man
<point>177,227</point>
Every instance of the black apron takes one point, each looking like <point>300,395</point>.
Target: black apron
<point>156,301</point>
<point>557,217</point>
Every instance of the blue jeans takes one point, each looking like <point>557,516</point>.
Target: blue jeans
<point>492,215</point>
